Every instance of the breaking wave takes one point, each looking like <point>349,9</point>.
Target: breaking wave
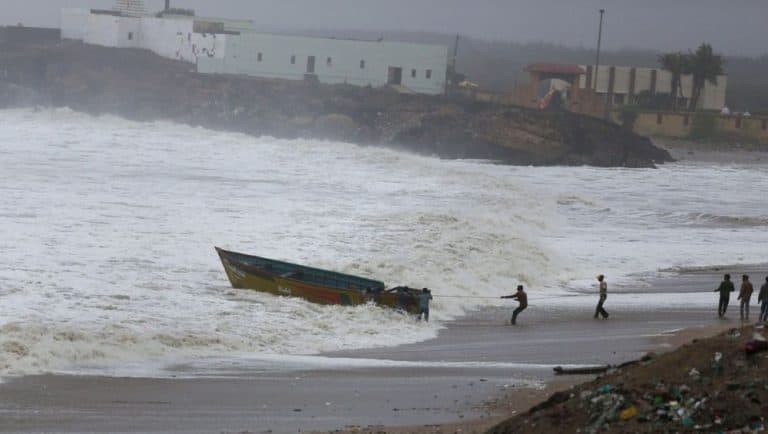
<point>726,220</point>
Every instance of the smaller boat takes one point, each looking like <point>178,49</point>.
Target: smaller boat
<point>313,284</point>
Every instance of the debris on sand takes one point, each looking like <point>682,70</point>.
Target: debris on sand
<point>717,384</point>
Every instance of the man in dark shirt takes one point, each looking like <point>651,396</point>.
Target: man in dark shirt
<point>745,295</point>
<point>522,298</point>
<point>762,297</point>
<point>725,289</point>
<point>603,288</point>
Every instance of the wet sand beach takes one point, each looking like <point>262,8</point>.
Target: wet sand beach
<point>478,369</point>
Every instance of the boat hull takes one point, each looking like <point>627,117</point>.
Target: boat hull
<point>243,275</point>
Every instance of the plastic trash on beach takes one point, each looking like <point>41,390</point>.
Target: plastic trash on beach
<point>716,362</point>
<point>628,413</point>
<point>754,346</point>
<point>605,388</point>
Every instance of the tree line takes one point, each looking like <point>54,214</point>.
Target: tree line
<point>703,65</point>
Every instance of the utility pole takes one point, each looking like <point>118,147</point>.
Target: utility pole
<point>599,40</point>
<point>451,82</point>
<point>455,52</point>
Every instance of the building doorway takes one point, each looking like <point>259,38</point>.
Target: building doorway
<point>311,65</point>
<point>395,75</point>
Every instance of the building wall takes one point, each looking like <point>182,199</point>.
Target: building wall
<point>670,124</point>
<point>172,38</point>
<point>74,23</point>
<point>712,98</point>
<point>643,78</point>
<point>621,80</point>
<point>277,51</point>
<point>663,124</point>
<point>102,30</point>
<point>129,32</point>
<point>175,39</point>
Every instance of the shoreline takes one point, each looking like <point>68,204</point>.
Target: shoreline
<point>435,398</point>
<point>518,401</point>
<point>522,400</point>
<point>716,152</point>
<point>476,373</point>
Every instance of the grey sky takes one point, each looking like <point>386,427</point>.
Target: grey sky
<point>732,26</point>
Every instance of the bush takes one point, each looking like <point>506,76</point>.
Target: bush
<point>628,118</point>
<point>703,126</point>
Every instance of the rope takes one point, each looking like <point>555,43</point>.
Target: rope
<point>463,296</point>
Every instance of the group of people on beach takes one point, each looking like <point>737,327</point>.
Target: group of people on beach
<point>725,289</point>
<point>745,295</point>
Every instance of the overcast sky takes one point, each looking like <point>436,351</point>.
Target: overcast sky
<point>731,26</point>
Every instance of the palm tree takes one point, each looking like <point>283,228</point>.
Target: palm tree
<point>677,65</point>
<point>705,66</point>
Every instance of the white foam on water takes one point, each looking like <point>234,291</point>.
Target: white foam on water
<point>108,228</point>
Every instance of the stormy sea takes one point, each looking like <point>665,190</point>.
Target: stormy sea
<point>108,228</point>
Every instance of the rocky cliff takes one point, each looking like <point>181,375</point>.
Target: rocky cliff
<point>139,85</point>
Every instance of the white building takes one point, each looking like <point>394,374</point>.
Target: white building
<point>220,46</point>
<point>624,83</point>
<point>173,37</point>
<point>416,67</point>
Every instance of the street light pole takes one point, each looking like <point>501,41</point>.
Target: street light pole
<point>599,40</point>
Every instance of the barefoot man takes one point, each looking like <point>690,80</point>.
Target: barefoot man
<point>599,310</point>
<point>745,295</point>
<point>522,298</point>
<point>725,289</point>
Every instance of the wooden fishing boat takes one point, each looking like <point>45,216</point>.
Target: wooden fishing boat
<point>313,284</point>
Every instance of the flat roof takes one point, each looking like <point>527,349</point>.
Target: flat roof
<point>556,68</point>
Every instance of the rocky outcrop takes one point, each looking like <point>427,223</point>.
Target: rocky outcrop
<point>139,85</point>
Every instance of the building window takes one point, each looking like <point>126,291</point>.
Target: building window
<point>659,118</point>
<point>259,57</point>
<point>362,64</point>
<point>413,73</point>
<point>765,124</point>
<point>429,74</point>
<point>130,36</point>
<point>738,122</point>
<point>686,120</point>
<point>293,60</point>
<point>328,61</point>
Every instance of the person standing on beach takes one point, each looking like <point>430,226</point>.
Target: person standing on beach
<point>725,289</point>
<point>762,297</point>
<point>599,310</point>
<point>522,298</point>
<point>745,295</point>
<point>424,298</point>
